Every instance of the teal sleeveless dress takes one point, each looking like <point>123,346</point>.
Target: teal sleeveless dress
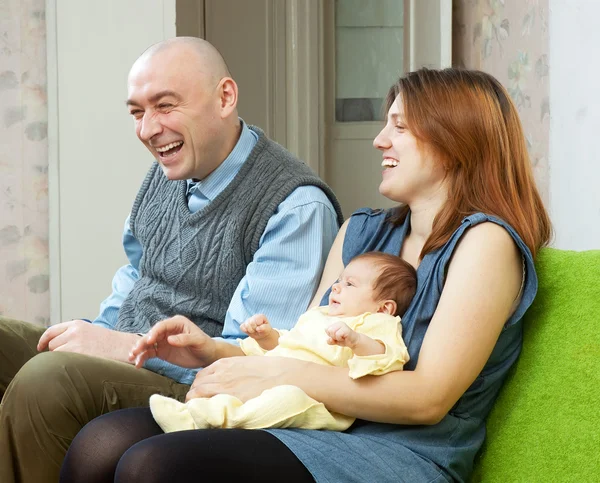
<point>378,452</point>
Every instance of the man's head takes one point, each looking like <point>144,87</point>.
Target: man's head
<point>184,104</point>
<point>373,282</point>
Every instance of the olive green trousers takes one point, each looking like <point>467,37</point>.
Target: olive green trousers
<point>46,398</point>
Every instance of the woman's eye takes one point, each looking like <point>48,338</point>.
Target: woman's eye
<point>400,128</point>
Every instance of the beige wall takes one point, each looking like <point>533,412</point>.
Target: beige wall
<point>510,41</point>
<point>23,162</point>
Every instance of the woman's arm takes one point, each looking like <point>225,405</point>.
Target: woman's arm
<point>483,280</point>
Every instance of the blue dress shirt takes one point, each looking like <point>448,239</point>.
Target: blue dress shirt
<point>283,275</point>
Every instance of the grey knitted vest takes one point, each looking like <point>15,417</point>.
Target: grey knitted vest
<point>193,262</point>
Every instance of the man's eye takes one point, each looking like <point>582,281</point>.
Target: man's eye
<point>136,113</point>
<point>165,106</point>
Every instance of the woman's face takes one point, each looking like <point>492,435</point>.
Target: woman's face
<point>410,174</point>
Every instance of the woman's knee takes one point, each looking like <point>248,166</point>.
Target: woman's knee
<point>103,441</point>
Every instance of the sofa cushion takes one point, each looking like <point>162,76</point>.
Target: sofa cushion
<point>545,426</point>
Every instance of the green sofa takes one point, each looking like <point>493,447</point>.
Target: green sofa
<point>545,426</point>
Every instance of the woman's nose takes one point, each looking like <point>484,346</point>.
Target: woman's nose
<point>381,141</point>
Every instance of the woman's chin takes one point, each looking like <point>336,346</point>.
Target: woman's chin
<point>383,189</point>
<point>389,193</point>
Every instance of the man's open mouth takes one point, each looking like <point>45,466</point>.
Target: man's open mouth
<point>169,149</point>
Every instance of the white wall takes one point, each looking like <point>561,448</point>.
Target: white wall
<point>575,123</point>
<point>96,162</point>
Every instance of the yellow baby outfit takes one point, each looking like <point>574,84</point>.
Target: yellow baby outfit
<point>289,406</point>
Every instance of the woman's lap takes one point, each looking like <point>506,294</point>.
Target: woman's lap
<point>128,445</point>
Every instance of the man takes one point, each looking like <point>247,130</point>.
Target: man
<point>227,223</point>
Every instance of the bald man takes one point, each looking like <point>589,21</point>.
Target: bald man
<point>226,224</point>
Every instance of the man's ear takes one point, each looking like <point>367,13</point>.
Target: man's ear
<point>228,96</point>
<point>388,307</point>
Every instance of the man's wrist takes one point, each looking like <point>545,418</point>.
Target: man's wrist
<point>129,341</point>
<point>222,349</point>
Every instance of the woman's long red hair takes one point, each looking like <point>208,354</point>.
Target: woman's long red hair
<point>468,122</point>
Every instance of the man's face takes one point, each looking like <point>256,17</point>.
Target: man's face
<point>352,294</point>
<point>176,113</point>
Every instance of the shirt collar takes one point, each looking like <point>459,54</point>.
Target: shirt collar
<point>211,186</point>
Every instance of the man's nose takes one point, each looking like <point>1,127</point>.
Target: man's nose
<point>150,127</point>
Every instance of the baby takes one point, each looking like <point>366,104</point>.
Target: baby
<point>359,329</point>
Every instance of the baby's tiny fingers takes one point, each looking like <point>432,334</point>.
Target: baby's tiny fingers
<point>341,334</point>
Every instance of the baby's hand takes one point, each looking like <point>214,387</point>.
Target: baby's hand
<point>257,327</point>
<point>342,335</point>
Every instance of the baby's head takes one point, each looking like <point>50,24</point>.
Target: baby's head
<point>373,282</point>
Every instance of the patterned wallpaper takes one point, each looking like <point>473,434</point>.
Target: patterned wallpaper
<point>23,162</point>
<point>506,39</point>
<point>509,39</point>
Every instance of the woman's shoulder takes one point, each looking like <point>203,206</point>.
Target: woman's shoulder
<point>485,236</point>
<point>489,238</point>
<point>483,229</point>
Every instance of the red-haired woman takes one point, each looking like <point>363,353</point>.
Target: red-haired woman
<point>470,221</point>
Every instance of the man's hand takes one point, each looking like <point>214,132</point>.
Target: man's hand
<point>84,338</point>
<point>179,341</point>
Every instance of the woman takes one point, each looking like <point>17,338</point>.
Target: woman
<point>471,222</point>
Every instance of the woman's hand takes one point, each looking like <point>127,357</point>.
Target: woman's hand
<point>177,340</point>
<point>245,377</point>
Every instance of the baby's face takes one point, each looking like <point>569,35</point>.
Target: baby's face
<point>352,294</point>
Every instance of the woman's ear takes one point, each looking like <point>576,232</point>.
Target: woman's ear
<point>388,307</point>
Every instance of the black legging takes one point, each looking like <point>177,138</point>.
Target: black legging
<point>127,446</point>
